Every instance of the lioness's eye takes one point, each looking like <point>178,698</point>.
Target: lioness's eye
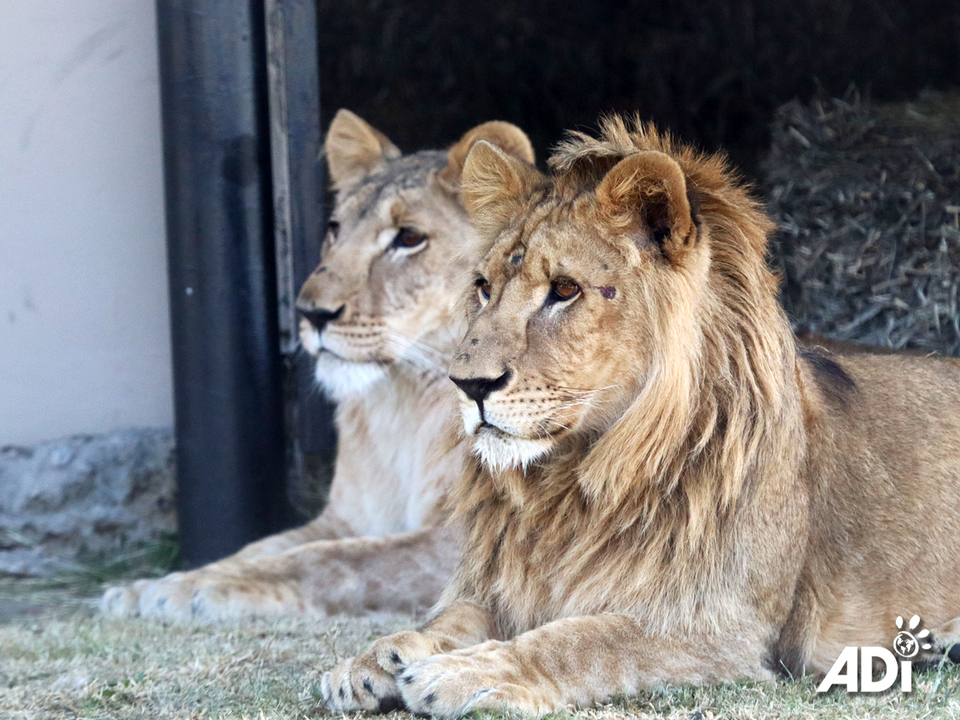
<point>408,238</point>
<point>563,289</point>
<point>333,227</point>
<point>484,288</point>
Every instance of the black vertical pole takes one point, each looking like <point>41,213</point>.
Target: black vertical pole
<point>298,200</point>
<point>227,394</point>
<point>298,203</point>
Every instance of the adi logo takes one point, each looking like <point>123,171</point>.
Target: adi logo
<point>906,643</point>
<point>855,666</point>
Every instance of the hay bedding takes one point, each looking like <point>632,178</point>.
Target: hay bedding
<point>867,199</point>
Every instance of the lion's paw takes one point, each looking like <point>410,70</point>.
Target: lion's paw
<point>455,684</point>
<point>395,653</point>
<point>367,682</point>
<point>360,684</point>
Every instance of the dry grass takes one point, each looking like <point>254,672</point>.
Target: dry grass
<point>63,662</point>
<point>75,664</point>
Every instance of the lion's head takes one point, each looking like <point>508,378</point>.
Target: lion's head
<point>397,249</point>
<point>614,306</point>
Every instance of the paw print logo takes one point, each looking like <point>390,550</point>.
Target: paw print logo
<point>907,644</point>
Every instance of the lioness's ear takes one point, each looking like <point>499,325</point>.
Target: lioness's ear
<point>493,186</point>
<point>504,135</point>
<point>648,193</point>
<point>354,149</point>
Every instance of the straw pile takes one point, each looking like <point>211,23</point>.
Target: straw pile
<point>868,199</point>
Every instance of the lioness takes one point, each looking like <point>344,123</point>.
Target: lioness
<point>666,490</point>
<point>380,318</point>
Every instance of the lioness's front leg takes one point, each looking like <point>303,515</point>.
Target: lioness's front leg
<point>150,596</point>
<point>392,573</point>
<point>571,662</point>
<point>368,681</point>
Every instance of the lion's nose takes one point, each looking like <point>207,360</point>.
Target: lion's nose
<point>477,389</point>
<point>319,317</point>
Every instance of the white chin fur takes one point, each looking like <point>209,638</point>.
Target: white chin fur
<point>504,452</point>
<point>309,338</point>
<point>341,379</point>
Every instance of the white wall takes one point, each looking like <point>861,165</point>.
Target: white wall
<point>84,327</point>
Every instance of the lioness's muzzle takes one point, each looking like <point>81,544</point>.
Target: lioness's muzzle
<point>319,317</point>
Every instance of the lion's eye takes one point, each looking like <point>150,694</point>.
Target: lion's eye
<point>333,228</point>
<point>563,289</point>
<point>408,238</point>
<point>484,288</point>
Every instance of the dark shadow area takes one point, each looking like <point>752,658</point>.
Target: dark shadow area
<point>867,200</point>
<point>713,71</point>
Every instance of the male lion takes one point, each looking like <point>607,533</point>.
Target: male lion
<point>667,490</point>
<point>380,318</point>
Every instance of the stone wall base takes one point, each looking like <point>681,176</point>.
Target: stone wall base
<point>83,499</point>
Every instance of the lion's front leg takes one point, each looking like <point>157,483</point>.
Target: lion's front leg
<point>572,662</point>
<point>368,681</point>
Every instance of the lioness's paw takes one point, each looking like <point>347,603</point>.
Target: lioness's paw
<point>120,601</point>
<point>217,598</point>
<point>455,684</point>
<point>134,599</point>
<point>202,594</point>
<point>360,684</point>
<point>168,597</point>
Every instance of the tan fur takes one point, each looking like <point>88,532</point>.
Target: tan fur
<point>354,149</point>
<point>380,544</point>
<point>667,489</point>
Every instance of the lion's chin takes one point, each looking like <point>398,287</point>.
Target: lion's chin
<point>500,451</point>
<point>343,379</point>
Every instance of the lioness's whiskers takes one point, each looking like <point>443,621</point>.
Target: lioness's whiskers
<point>416,353</point>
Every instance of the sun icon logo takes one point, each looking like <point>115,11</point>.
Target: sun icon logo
<point>907,644</point>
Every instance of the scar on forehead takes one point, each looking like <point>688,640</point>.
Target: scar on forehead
<point>609,292</point>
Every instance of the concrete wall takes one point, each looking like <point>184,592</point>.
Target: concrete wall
<point>84,327</point>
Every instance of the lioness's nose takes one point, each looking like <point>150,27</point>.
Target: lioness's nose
<point>477,389</point>
<point>319,317</point>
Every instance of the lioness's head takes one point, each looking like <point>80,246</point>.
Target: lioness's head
<point>397,249</point>
<point>599,287</point>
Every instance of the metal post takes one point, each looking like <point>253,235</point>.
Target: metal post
<point>227,393</point>
<point>296,142</point>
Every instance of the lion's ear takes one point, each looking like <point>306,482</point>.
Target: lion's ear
<point>504,135</point>
<point>647,193</point>
<point>493,185</point>
<point>354,149</point>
